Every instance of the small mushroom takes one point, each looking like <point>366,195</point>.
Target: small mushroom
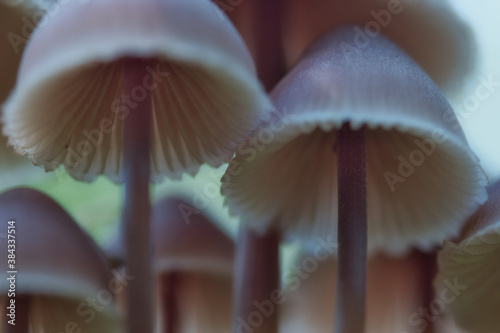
<point>469,274</point>
<point>365,134</point>
<point>136,91</point>
<point>59,279</point>
<point>193,263</point>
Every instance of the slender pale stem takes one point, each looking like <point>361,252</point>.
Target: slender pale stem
<point>256,282</point>
<point>22,322</point>
<point>257,267</point>
<point>352,234</point>
<point>136,211</point>
<point>170,307</point>
<point>268,34</point>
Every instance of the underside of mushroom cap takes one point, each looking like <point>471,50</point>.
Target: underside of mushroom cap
<point>68,106</point>
<point>53,255</point>
<point>428,30</point>
<point>473,265</point>
<point>423,180</point>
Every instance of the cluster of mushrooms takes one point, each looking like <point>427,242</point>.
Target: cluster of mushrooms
<point>334,120</point>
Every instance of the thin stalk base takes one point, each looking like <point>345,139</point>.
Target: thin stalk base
<point>256,281</point>
<point>169,302</point>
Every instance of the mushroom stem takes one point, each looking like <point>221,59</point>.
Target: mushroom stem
<point>256,282</point>
<point>352,231</point>
<point>22,322</point>
<point>270,53</point>
<point>428,268</point>
<point>169,285</point>
<point>137,209</point>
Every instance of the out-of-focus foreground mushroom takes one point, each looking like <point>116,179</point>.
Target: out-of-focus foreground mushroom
<point>193,264</point>
<point>469,272</point>
<point>57,278</point>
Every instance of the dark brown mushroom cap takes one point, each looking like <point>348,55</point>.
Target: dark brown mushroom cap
<point>53,255</point>
<point>59,268</point>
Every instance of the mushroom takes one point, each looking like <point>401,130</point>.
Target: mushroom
<point>430,31</point>
<point>58,278</point>
<point>422,179</point>
<point>468,274</point>
<point>128,89</point>
<point>193,264</point>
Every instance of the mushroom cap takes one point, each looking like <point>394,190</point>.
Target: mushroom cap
<point>423,181</point>
<point>54,256</point>
<point>472,264</point>
<point>195,244</point>
<point>430,31</point>
<point>184,240</point>
<point>68,106</point>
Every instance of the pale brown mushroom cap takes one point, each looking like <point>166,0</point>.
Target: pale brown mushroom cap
<point>285,175</point>
<point>473,265</point>
<point>206,98</point>
<point>57,263</point>
<point>189,244</point>
<point>430,31</point>
<point>201,257</point>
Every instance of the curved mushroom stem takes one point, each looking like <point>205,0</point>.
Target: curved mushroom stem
<point>22,322</point>
<point>137,208</point>
<point>256,282</point>
<point>169,298</point>
<point>352,233</point>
